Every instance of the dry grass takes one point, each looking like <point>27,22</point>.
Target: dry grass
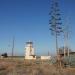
<point>13,67</point>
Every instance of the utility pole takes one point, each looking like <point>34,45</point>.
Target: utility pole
<point>13,47</point>
<point>66,48</point>
<point>48,53</point>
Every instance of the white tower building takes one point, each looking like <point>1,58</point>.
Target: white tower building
<point>29,51</point>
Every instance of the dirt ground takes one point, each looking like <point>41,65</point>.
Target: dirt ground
<point>14,67</point>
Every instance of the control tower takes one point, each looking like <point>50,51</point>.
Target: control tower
<point>29,51</point>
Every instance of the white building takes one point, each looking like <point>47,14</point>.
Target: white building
<point>29,51</point>
<point>45,57</point>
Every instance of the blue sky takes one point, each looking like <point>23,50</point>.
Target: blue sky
<point>29,20</point>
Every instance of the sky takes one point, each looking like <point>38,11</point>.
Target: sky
<point>29,20</point>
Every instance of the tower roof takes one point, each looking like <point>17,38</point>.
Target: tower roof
<point>29,42</point>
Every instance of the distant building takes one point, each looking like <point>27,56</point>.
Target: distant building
<point>29,51</point>
<point>61,51</point>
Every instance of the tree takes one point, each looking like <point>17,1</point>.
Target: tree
<point>4,55</point>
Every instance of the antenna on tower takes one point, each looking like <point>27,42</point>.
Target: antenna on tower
<point>55,22</point>
<point>55,25</point>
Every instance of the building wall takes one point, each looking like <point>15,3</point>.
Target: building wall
<point>29,51</point>
<point>30,57</point>
<point>45,57</point>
